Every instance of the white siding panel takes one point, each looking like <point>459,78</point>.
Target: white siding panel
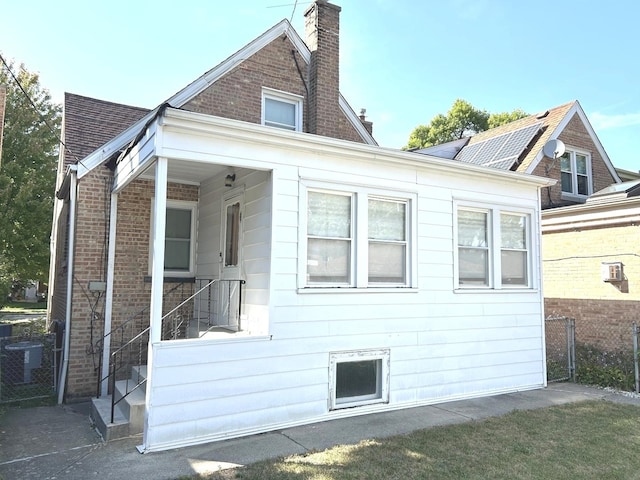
<point>442,344</point>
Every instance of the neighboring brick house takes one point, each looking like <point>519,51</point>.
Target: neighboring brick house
<point>252,260</point>
<point>588,216</point>
<point>584,168</point>
<point>591,265</point>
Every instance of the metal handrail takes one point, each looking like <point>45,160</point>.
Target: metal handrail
<point>142,339</point>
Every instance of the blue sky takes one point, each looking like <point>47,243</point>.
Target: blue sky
<point>403,60</point>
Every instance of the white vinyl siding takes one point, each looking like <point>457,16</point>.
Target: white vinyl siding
<point>442,345</point>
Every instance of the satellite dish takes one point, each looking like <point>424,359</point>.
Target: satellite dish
<point>553,149</point>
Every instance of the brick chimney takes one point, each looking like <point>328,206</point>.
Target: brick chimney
<point>322,30</point>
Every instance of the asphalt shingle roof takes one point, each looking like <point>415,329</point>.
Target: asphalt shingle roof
<point>89,123</point>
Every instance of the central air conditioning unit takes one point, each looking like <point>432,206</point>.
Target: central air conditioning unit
<point>612,272</point>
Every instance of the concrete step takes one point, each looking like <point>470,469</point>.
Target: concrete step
<point>139,373</point>
<point>128,416</point>
<point>132,405</point>
<point>101,416</point>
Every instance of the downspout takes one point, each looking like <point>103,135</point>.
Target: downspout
<point>73,177</point>
<point>541,284</point>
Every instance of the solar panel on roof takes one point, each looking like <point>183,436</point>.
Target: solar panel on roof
<point>501,151</point>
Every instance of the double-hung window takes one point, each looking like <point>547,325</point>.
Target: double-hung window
<point>575,173</point>
<point>387,232</point>
<point>329,238</point>
<point>281,110</point>
<point>493,248</point>
<point>179,243</point>
<point>357,238</point>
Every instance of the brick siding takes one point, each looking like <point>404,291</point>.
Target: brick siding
<point>573,284</point>
<point>574,135</point>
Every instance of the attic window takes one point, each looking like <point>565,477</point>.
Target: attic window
<point>575,169</point>
<point>281,110</point>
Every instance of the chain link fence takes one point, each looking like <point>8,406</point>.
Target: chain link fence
<point>29,359</point>
<point>560,344</point>
<point>603,353</point>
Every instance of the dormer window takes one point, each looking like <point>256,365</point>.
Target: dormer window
<point>281,110</point>
<point>575,173</point>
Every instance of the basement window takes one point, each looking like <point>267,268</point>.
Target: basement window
<point>359,378</point>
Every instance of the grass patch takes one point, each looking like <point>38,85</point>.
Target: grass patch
<point>24,307</point>
<point>588,440</point>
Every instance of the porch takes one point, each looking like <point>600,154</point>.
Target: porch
<point>198,272</point>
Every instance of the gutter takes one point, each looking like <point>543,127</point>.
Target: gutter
<point>70,182</point>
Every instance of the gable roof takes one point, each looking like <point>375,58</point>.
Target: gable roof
<point>90,122</point>
<point>518,145</point>
<point>117,143</point>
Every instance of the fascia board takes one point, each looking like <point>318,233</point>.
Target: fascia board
<point>190,122</point>
<point>575,217</point>
<point>355,120</point>
<point>200,84</point>
<point>116,144</point>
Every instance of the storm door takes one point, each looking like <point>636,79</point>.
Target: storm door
<point>231,262</point>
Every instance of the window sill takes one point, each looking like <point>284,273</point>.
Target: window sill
<point>169,279</point>
<point>494,291</point>
<point>572,197</point>
<point>347,290</point>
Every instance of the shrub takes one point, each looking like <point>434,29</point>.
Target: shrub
<point>595,366</point>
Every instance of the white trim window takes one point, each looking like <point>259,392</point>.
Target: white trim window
<point>493,248</point>
<point>281,110</point>
<point>358,378</point>
<point>180,234</point>
<point>358,237</point>
<point>575,173</point>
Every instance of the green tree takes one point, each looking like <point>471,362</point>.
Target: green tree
<point>462,120</point>
<point>497,119</point>
<point>27,176</point>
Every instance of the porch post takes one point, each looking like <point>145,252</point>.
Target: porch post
<point>157,252</point>
<point>108,307</point>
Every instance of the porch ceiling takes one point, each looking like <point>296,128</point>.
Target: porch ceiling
<point>189,172</point>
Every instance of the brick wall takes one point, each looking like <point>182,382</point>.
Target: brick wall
<point>238,95</point>
<point>574,135</point>
<point>573,284</point>
<point>606,324</point>
<point>131,293</point>
<point>572,262</point>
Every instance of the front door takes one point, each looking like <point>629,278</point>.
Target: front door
<point>231,262</point>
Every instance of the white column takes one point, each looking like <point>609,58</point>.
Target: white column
<point>157,251</point>
<point>108,308</point>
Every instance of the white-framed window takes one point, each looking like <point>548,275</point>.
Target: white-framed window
<point>358,378</point>
<point>356,237</point>
<point>281,110</point>
<point>493,247</point>
<point>179,243</point>
<point>575,173</point>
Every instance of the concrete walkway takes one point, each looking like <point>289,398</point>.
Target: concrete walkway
<point>59,442</point>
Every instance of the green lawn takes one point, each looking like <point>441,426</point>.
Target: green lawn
<point>24,307</point>
<point>589,440</point>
